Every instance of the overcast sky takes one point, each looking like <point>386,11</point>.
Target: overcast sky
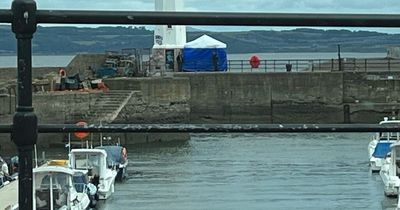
<point>296,6</point>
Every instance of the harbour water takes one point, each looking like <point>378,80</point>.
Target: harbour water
<point>63,60</point>
<point>252,171</point>
<point>38,61</point>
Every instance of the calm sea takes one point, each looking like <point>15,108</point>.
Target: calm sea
<point>304,171</point>
<point>63,60</point>
<point>252,171</point>
<point>38,61</point>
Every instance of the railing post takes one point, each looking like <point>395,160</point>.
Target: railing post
<point>319,64</point>
<point>346,113</point>
<point>241,62</point>
<point>274,65</point>
<point>365,63</point>
<point>265,66</point>
<point>24,133</point>
<point>389,64</point>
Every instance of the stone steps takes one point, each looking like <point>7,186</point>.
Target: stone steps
<point>108,106</point>
<point>105,109</point>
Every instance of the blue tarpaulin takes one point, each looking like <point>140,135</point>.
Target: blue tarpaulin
<point>205,54</point>
<point>382,149</point>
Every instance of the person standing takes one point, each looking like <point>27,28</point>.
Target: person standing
<point>179,61</point>
<point>215,60</point>
<point>4,168</point>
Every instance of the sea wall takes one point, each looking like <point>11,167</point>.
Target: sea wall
<point>159,100</point>
<point>287,97</point>
<point>83,63</point>
<point>265,98</point>
<point>304,97</point>
<point>11,73</point>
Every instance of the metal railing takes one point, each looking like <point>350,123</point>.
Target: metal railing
<point>319,65</point>
<point>24,18</point>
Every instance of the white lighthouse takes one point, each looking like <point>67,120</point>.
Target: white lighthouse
<point>168,39</point>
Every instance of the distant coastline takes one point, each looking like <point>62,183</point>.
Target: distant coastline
<point>94,40</point>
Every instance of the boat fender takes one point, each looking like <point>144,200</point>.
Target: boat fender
<point>92,189</point>
<point>62,72</point>
<point>124,153</point>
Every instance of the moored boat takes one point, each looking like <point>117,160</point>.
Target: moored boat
<point>390,171</point>
<point>379,147</point>
<point>9,195</point>
<point>54,189</point>
<point>117,158</point>
<point>93,163</point>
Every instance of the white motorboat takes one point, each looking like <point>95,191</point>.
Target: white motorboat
<point>117,158</point>
<point>55,190</point>
<point>9,194</point>
<point>390,171</point>
<point>379,147</point>
<point>93,163</point>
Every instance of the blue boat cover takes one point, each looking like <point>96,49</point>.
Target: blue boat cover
<point>114,154</point>
<point>382,149</point>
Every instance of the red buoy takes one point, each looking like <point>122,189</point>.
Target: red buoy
<point>62,72</point>
<point>254,62</point>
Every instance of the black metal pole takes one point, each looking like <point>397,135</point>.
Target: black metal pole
<point>211,18</point>
<point>339,58</point>
<point>212,128</point>
<point>24,132</point>
<point>218,18</point>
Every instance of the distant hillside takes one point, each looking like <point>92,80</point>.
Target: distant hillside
<point>71,40</point>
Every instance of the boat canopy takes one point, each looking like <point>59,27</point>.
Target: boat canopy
<point>382,149</point>
<point>114,154</point>
<point>53,169</point>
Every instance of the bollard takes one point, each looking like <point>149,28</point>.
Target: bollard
<point>346,113</point>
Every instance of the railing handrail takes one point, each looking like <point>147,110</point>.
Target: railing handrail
<point>318,64</point>
<point>210,18</point>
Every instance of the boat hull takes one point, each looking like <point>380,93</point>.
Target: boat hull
<point>375,164</point>
<point>107,187</point>
<point>391,182</point>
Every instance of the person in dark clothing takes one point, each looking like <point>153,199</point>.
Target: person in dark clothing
<point>215,60</point>
<point>179,60</point>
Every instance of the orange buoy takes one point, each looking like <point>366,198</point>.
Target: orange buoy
<point>81,135</point>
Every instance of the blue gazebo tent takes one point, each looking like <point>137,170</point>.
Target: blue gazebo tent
<point>204,54</point>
